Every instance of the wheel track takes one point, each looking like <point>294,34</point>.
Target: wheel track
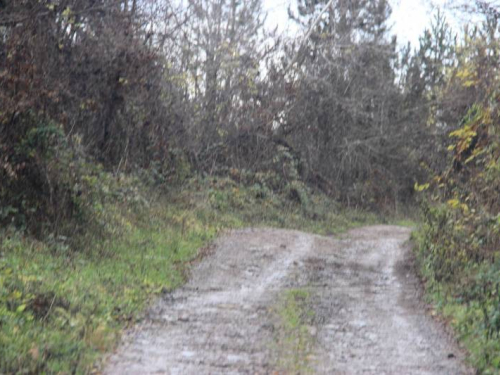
<point>368,318</point>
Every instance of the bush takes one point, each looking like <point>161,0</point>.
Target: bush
<point>458,242</point>
<point>50,187</point>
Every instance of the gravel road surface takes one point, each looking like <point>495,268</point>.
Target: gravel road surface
<point>367,318</point>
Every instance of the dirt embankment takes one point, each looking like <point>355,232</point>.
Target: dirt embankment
<point>363,314</point>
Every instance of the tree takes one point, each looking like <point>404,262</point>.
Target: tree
<point>345,113</point>
<point>226,47</point>
<point>78,77</point>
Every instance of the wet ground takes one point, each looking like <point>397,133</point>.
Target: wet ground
<point>368,314</point>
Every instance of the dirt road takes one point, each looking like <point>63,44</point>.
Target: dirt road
<point>275,301</point>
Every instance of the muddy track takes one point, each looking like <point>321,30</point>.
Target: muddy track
<point>367,316</point>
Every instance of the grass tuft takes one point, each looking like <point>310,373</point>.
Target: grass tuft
<point>293,337</point>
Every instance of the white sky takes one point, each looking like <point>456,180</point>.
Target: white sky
<point>409,17</point>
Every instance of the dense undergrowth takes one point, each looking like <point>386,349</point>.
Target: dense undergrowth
<point>64,298</point>
<point>459,240</point>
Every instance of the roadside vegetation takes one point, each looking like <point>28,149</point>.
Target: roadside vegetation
<point>458,243</point>
<point>64,301</point>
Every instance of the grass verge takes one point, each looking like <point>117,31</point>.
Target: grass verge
<point>468,299</point>
<point>60,310</point>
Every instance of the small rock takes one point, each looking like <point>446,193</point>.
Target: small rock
<point>313,331</point>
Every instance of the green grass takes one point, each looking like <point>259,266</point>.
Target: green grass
<point>469,301</point>
<point>61,309</point>
<point>238,206</point>
<point>405,223</point>
<point>467,321</point>
<point>293,339</point>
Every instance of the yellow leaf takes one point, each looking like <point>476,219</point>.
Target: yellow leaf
<point>421,188</point>
<point>470,83</point>
<point>469,159</point>
<point>464,132</point>
<point>67,12</point>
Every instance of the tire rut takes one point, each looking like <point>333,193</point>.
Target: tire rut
<point>367,315</point>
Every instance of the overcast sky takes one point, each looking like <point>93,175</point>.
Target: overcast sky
<point>409,17</point>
